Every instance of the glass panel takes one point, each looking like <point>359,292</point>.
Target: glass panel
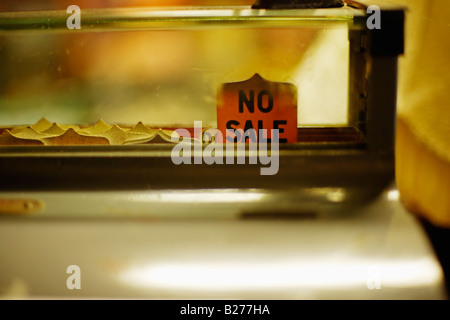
<point>164,67</point>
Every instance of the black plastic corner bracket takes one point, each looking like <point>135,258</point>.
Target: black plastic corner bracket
<point>389,39</point>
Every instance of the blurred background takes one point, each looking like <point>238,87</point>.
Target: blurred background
<point>11,5</point>
<point>165,77</point>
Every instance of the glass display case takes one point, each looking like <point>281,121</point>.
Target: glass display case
<point>89,99</point>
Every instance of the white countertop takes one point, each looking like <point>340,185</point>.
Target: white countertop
<point>379,251</point>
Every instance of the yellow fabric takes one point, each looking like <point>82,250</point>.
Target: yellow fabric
<point>424,79</point>
<point>423,126</point>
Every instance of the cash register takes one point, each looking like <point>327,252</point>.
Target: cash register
<point>123,173</point>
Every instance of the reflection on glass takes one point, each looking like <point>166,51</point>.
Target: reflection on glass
<point>126,72</point>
